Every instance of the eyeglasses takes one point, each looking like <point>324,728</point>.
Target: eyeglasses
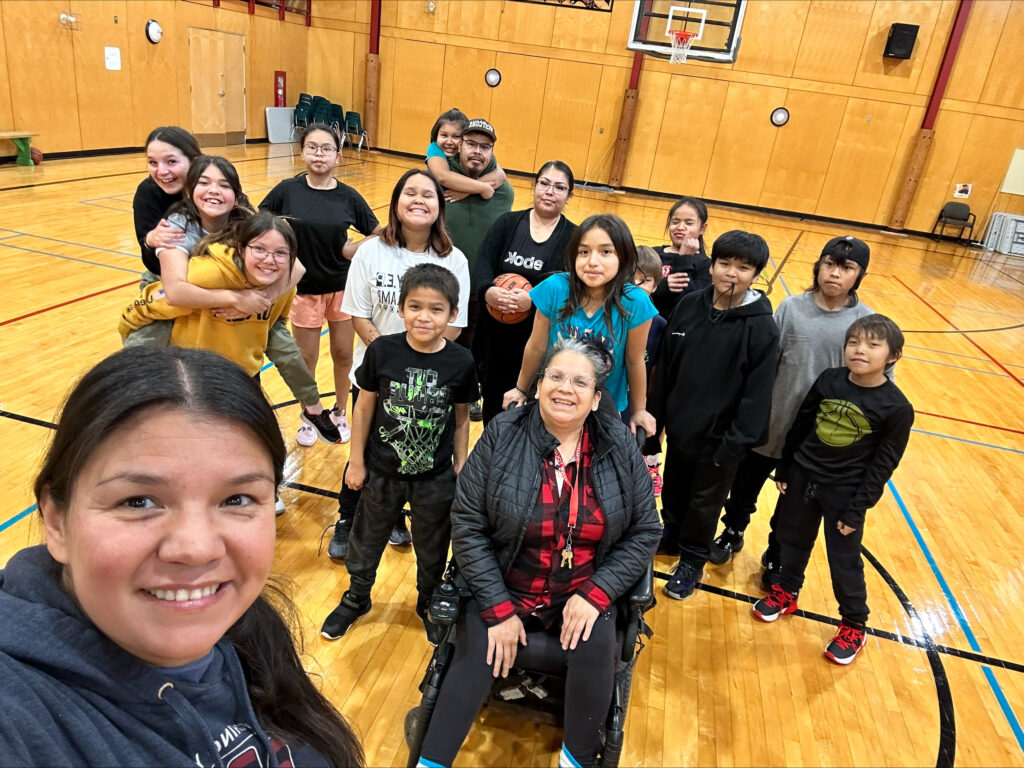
<point>557,377</point>
<point>476,145</point>
<point>546,185</point>
<point>326,149</point>
<point>262,253</point>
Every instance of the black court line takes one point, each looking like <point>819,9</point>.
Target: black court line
<point>28,420</point>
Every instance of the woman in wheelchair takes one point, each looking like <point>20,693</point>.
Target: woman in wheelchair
<point>554,520</point>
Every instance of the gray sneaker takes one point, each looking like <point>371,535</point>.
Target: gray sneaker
<point>337,549</point>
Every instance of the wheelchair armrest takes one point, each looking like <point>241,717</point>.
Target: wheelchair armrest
<point>641,595</point>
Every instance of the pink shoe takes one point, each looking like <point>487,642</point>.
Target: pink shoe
<point>655,470</point>
<point>342,424</point>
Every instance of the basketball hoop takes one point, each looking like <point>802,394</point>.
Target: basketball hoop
<point>682,39</point>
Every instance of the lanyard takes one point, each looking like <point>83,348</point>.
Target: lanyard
<point>574,504</point>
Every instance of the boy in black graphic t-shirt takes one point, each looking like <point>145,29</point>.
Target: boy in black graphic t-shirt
<point>848,438</point>
<point>410,421</point>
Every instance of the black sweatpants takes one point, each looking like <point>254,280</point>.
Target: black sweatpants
<point>692,495</point>
<point>801,511</point>
<point>590,678</point>
<point>380,506</point>
<point>751,474</point>
<point>348,499</point>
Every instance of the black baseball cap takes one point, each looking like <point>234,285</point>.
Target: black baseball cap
<point>479,125</point>
<point>859,251</point>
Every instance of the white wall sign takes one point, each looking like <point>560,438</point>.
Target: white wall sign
<point>112,57</point>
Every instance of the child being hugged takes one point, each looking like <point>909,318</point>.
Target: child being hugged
<point>596,298</point>
<point>812,327</point>
<point>685,263</point>
<point>848,438</point>
<point>443,159</point>
<point>712,394</point>
<point>410,422</point>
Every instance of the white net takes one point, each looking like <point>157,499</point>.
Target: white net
<point>681,42</point>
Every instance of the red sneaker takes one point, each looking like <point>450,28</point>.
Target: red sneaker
<point>847,643</point>
<point>777,603</point>
<point>655,470</point>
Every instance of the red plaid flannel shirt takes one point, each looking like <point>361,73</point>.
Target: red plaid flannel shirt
<point>537,582</point>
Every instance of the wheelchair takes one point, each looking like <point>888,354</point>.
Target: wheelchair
<point>534,693</point>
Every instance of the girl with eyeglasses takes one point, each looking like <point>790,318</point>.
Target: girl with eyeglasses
<point>321,210</point>
<point>529,243</point>
<point>255,254</point>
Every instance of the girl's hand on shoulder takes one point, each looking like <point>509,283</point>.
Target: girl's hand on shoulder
<point>163,235</point>
<point>578,619</point>
<point>451,196</point>
<point>644,420</point>
<point>503,644</point>
<point>513,396</point>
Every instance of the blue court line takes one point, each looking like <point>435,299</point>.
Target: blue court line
<point>70,258</point>
<point>24,513</point>
<point>970,442</point>
<point>781,278</point>
<point>950,365</point>
<point>70,242</point>
<point>271,365</point>
<point>997,690</point>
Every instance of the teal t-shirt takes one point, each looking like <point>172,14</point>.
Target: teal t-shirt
<point>435,151</point>
<point>550,296</point>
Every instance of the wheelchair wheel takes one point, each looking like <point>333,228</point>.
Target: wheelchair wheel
<point>411,719</point>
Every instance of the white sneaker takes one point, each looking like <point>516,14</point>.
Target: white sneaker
<point>342,424</point>
<point>306,436</point>
<point>279,507</point>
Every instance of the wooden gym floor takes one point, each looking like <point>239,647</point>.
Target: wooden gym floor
<point>941,681</point>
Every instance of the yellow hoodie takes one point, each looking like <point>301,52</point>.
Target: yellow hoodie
<point>241,341</point>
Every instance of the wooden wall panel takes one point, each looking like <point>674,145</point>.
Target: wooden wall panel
<point>937,177</point>
<point>973,61</point>
<point>862,159</point>
<point>418,16</point>
<point>1004,203</point>
<point>689,128</point>
<point>416,101</point>
<point>1005,85</point>
<point>527,23</point>
<point>606,122</point>
<point>651,102</point>
<point>744,143</point>
<point>263,57</point>
<point>516,108</point>
<point>475,18</point>
<point>153,69</point>
<point>6,108</point>
<point>234,84</point>
<point>359,53</point>
<point>618,29</point>
<point>579,30</point>
<point>43,97</point>
<point>876,71</point>
<point>387,85</point>
<point>986,155</point>
<point>771,36</point>
<point>464,85</point>
<point>570,103</point>
<point>104,96</point>
<point>206,59</point>
<point>295,61</point>
<point>329,71</point>
<point>802,151</point>
<point>901,159</point>
<point>833,39</point>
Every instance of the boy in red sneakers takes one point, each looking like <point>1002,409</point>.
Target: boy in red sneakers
<point>848,438</point>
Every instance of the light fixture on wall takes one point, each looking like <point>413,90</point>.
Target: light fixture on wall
<point>154,32</point>
<point>492,77</point>
<point>69,21</point>
<point>779,116</point>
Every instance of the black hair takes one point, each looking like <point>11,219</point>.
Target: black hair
<point>878,327</point>
<point>453,116</point>
<point>178,138</point>
<point>257,225</point>
<point>558,165</point>
<point>649,263</point>
<point>136,380</point>
<point>745,246</point>
<point>392,233</point>
<point>839,253</point>
<point>432,276</point>
<point>328,129</point>
<point>699,206</point>
<point>625,249</point>
<point>242,207</point>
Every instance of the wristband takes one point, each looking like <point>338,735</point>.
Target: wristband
<point>520,390</point>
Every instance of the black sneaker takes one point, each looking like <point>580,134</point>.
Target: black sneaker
<point>476,411</point>
<point>400,536</point>
<point>778,602</point>
<point>728,543</point>
<point>337,549</point>
<point>772,570</point>
<point>848,642</point>
<point>344,616</point>
<point>323,426</point>
<point>683,581</point>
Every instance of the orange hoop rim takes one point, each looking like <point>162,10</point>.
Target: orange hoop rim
<point>683,36</point>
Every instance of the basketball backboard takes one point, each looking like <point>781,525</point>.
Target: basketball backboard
<point>716,22</point>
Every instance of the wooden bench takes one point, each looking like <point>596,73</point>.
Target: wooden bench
<point>23,141</point>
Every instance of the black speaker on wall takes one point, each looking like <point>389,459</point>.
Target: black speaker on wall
<point>901,41</point>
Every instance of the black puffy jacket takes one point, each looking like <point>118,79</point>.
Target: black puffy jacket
<point>497,493</point>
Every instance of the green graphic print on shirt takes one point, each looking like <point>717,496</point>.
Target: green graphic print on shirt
<point>421,409</point>
<point>840,423</point>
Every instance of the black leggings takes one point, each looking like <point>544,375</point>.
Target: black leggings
<point>590,677</point>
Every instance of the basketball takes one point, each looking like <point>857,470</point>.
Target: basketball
<point>510,281</point>
<point>37,156</point>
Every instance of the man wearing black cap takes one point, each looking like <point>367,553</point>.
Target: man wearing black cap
<point>812,327</point>
<point>470,217</point>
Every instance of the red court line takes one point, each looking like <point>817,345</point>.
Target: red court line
<point>968,421</point>
<point>953,326</point>
<point>65,303</point>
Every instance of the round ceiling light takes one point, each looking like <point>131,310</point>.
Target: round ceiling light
<point>492,77</point>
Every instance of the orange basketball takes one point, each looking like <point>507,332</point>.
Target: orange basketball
<point>510,281</point>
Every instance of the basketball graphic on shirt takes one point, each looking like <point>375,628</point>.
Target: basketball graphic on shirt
<point>509,282</point>
<point>840,423</point>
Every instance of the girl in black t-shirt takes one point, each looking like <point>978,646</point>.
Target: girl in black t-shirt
<point>686,266</point>
<point>530,243</point>
<point>321,210</point>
